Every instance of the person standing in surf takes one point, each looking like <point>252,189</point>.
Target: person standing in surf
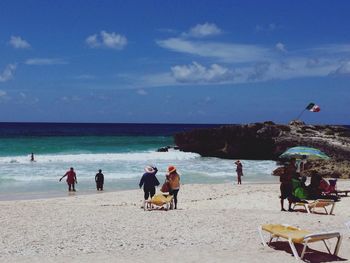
<point>71,179</point>
<point>239,170</point>
<point>99,179</point>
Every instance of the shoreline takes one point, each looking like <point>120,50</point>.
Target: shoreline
<point>214,222</point>
<point>23,196</point>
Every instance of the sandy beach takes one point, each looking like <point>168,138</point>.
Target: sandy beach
<point>214,223</point>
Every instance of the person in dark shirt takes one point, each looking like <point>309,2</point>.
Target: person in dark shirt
<point>286,184</point>
<point>149,181</point>
<point>99,179</point>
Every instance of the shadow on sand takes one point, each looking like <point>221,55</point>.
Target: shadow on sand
<point>311,255</point>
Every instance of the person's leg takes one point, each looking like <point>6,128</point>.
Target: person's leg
<point>175,197</point>
<point>239,179</point>
<point>146,194</point>
<point>101,188</point>
<point>69,187</point>
<point>282,197</point>
<point>97,186</point>
<point>152,192</point>
<point>73,186</point>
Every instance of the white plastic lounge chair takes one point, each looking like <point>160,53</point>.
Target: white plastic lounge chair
<point>319,203</point>
<point>295,235</point>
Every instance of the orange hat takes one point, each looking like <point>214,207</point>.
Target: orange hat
<point>171,169</point>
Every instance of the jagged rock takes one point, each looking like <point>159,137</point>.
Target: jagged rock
<point>266,141</point>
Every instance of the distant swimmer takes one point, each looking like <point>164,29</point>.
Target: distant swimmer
<point>71,179</point>
<point>32,157</point>
<point>239,170</point>
<point>99,179</point>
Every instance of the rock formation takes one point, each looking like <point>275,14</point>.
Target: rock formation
<point>266,141</point>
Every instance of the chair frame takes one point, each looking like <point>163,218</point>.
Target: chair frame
<point>310,207</point>
<point>321,236</point>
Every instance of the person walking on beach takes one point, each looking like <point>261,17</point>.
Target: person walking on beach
<point>286,186</point>
<point>149,181</point>
<point>239,170</point>
<point>71,179</point>
<point>173,179</point>
<point>99,179</point>
<point>32,157</point>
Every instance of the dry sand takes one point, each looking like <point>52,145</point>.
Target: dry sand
<point>214,223</point>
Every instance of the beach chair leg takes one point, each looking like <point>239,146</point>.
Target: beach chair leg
<point>325,209</point>
<point>294,250</point>
<point>261,236</point>
<point>336,250</point>
<point>324,242</point>
<point>332,209</point>
<point>304,250</point>
<point>307,209</point>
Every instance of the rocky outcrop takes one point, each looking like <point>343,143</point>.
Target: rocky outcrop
<point>266,141</point>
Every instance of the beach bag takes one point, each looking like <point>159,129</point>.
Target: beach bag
<point>165,187</point>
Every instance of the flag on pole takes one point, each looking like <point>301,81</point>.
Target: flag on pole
<point>313,107</point>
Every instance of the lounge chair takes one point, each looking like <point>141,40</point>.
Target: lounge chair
<point>159,201</point>
<point>295,235</point>
<point>319,203</point>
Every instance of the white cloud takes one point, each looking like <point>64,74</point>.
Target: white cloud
<point>108,40</point>
<point>281,47</point>
<point>2,93</point>
<point>45,61</point>
<point>227,52</point>
<point>197,73</point>
<point>267,28</point>
<point>8,72</point>
<point>18,42</point>
<point>85,77</point>
<point>343,69</point>
<point>92,41</point>
<point>203,30</point>
<point>142,92</point>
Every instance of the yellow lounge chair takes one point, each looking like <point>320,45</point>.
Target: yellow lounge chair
<point>159,201</point>
<point>319,203</point>
<point>295,235</point>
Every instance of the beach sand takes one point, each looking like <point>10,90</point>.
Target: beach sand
<point>214,223</point>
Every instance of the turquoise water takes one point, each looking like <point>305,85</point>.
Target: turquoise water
<point>122,159</point>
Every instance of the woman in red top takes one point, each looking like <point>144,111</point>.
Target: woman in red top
<point>71,179</point>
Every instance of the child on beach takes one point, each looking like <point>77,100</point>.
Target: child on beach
<point>71,179</point>
<point>99,179</point>
<point>239,170</point>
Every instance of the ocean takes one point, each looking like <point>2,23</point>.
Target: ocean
<point>120,150</point>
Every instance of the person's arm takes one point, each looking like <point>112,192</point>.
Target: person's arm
<point>96,177</point>
<point>156,181</point>
<point>63,177</point>
<point>142,180</point>
<point>75,179</point>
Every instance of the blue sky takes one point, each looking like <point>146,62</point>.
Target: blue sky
<point>174,61</point>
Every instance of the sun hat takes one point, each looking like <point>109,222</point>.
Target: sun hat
<point>237,162</point>
<point>171,169</point>
<point>149,169</point>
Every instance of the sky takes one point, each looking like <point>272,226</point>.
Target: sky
<point>161,61</point>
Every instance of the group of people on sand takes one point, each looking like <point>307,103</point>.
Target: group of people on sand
<point>149,182</point>
<point>293,185</point>
<point>72,179</point>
